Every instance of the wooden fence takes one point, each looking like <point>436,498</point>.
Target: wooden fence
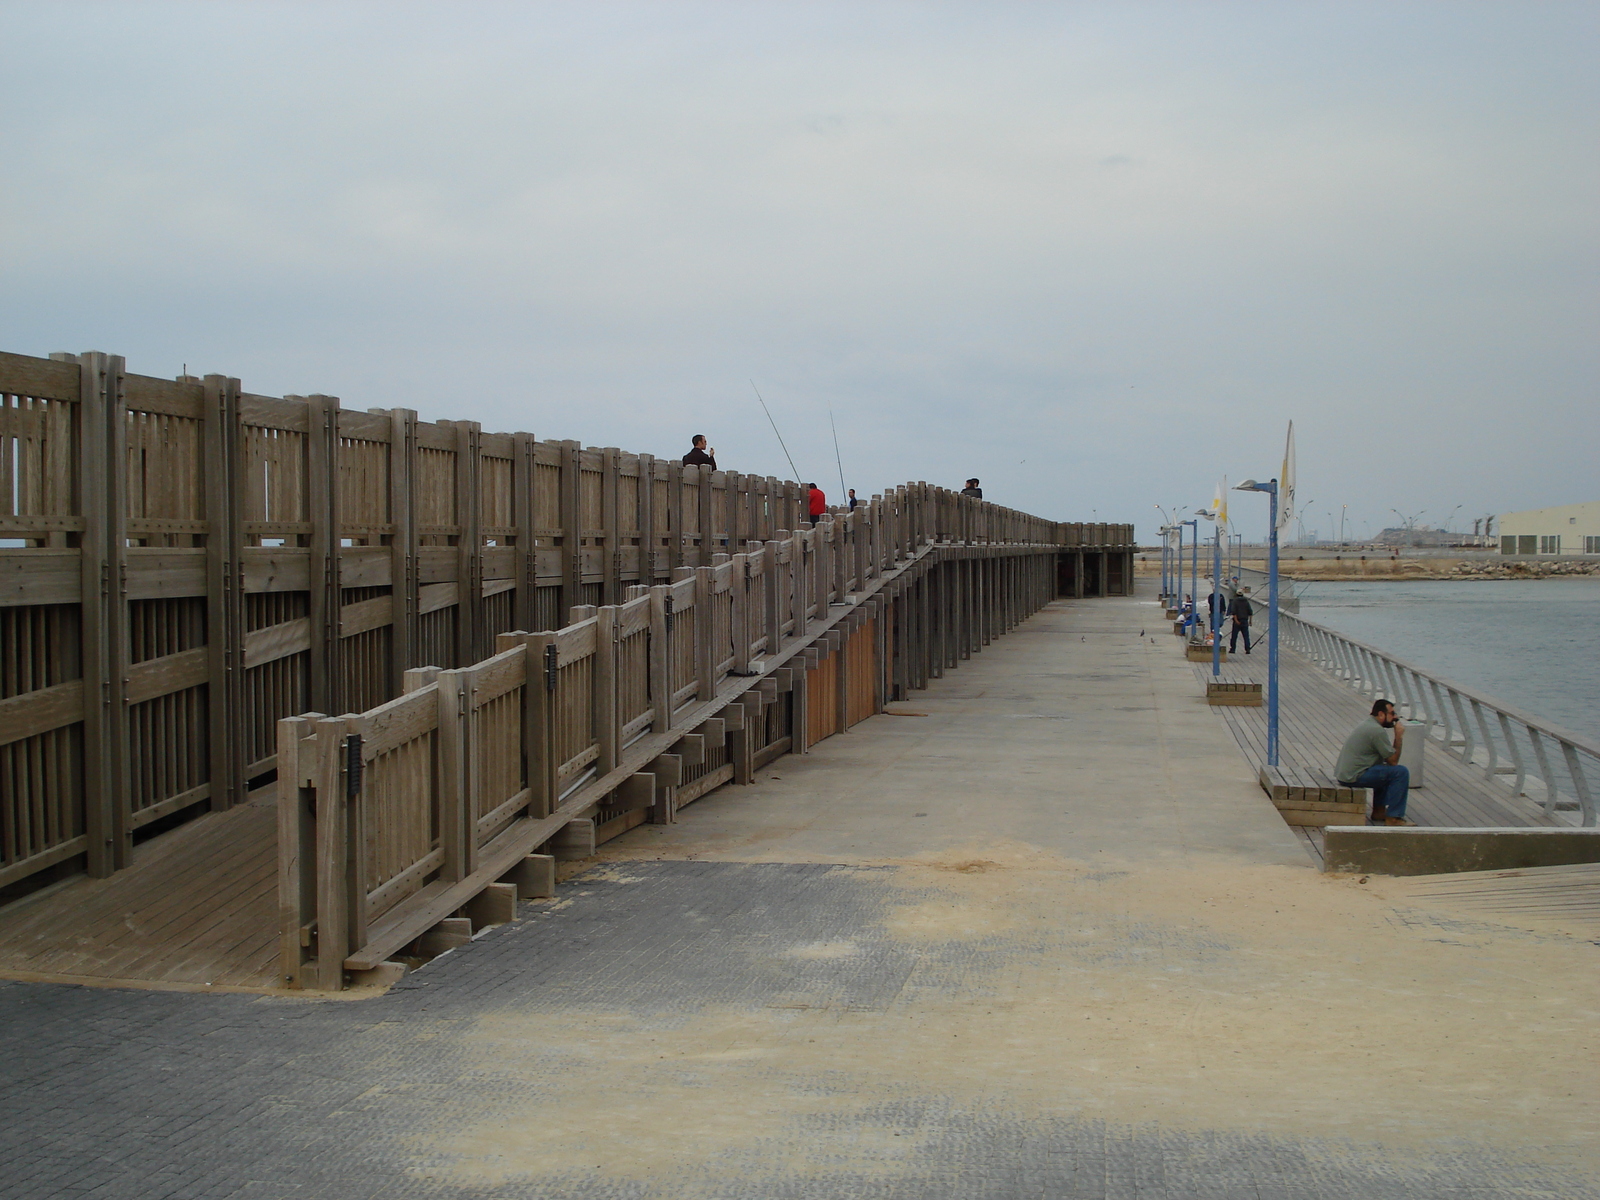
<point>183,564</point>
<point>393,820</point>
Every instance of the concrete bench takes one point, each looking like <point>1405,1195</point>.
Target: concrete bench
<point>1242,693</point>
<point>1314,798</point>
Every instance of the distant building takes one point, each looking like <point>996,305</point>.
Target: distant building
<point>1398,535</point>
<point>1565,529</point>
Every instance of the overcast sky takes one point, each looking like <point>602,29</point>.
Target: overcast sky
<point>1096,254</point>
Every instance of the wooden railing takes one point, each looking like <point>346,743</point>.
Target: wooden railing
<point>183,563</point>
<point>393,820</point>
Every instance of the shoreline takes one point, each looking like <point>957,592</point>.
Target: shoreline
<point>1405,570</point>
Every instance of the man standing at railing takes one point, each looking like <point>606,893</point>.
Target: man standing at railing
<point>818,503</point>
<point>1371,759</point>
<point>698,454</point>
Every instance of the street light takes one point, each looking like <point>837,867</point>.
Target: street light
<point>1271,488</point>
<point>1215,517</point>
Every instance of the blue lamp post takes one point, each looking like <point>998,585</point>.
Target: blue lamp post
<point>1271,488</point>
<point>1214,605</point>
<point>1194,565</point>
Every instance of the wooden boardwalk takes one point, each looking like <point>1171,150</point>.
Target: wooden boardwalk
<point>198,908</point>
<point>1316,713</point>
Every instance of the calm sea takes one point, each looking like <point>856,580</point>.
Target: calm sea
<point>1534,644</point>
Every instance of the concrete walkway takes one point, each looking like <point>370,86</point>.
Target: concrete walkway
<point>1046,940</point>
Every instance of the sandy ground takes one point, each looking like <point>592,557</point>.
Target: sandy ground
<point>1111,924</point>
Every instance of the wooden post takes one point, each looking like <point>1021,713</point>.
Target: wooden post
<point>322,458</point>
<point>99,566</point>
<point>469,557</point>
<point>708,526</point>
<point>333,854</point>
<point>115,618</point>
<point>571,529</point>
<point>454,783</point>
<point>610,568</point>
<point>661,681</point>
<point>604,696</point>
<point>403,581</point>
<point>647,520</point>
<point>526,569</point>
<point>224,600</point>
<point>297,846</point>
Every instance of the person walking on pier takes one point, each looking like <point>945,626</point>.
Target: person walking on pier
<point>1371,759</point>
<point>698,454</point>
<point>1239,609</point>
<point>818,503</point>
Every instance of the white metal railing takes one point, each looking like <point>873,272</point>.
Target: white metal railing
<point>1483,731</point>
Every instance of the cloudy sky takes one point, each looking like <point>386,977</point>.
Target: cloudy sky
<point>1097,254</point>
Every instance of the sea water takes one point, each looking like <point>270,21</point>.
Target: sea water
<point>1532,644</point>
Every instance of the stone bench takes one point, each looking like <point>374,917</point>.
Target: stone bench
<point>1314,798</point>
<point>1242,693</point>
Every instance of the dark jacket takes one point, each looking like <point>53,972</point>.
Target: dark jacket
<point>1239,609</point>
<point>975,493</point>
<point>697,456</point>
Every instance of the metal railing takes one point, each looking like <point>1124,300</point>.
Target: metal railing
<point>1484,732</point>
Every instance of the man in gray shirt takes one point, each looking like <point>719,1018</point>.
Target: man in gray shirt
<point>1371,759</point>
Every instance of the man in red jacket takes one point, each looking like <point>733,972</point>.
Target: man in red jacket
<point>819,502</point>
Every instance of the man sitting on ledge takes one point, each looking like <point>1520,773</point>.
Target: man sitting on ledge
<point>1371,759</point>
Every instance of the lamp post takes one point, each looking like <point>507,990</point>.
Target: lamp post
<point>1271,488</point>
<point>1194,566</point>
<point>1216,589</point>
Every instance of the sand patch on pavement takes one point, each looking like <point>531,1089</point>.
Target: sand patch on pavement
<point>1266,999</point>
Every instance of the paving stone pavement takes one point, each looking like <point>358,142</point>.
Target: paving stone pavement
<point>114,1093</point>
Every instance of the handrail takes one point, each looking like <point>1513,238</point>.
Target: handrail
<point>1440,704</point>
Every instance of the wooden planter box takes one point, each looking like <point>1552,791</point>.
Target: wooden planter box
<point>1239,692</point>
<point>1311,798</point>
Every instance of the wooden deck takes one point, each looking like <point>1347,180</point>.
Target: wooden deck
<point>1316,713</point>
<point>197,908</point>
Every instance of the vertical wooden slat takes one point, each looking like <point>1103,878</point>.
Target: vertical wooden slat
<point>403,545</point>
<point>322,511</point>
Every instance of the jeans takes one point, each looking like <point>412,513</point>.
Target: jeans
<point>1233,642</point>
<point>1389,787</point>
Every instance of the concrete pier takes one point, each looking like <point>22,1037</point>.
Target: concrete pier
<point>1036,933</point>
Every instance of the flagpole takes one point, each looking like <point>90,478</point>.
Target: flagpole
<point>1216,592</point>
<point>1272,633</point>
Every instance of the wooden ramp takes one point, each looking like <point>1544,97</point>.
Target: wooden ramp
<point>1542,899</point>
<point>197,907</point>
<point>1317,712</point>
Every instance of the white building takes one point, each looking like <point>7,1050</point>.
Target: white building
<point>1565,529</point>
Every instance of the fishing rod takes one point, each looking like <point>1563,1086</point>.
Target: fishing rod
<point>836,457</point>
<point>774,425</point>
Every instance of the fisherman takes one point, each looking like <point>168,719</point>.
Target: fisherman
<point>972,489</point>
<point>853,500</point>
<point>698,454</point>
<point>1239,609</point>
<point>818,503</point>
<point>1371,759</point>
